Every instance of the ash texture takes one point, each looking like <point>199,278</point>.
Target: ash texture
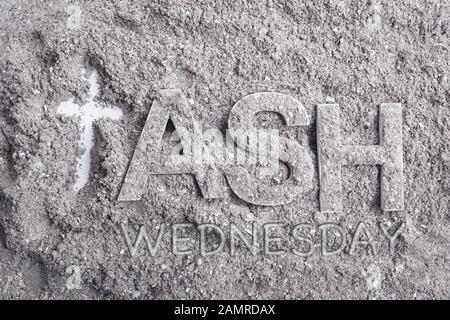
<point>58,244</point>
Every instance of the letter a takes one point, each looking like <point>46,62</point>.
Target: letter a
<point>147,158</point>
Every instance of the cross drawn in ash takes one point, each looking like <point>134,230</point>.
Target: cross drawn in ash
<point>87,113</point>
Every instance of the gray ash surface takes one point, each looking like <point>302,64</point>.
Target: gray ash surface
<point>358,54</point>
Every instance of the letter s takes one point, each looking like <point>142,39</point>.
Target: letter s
<point>290,152</point>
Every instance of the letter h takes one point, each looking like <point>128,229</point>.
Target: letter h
<point>332,155</point>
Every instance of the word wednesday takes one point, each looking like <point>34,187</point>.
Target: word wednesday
<point>332,153</point>
<point>272,239</point>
